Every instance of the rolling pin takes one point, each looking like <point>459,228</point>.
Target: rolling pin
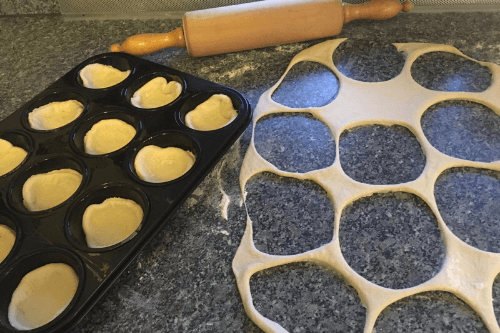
<point>259,24</point>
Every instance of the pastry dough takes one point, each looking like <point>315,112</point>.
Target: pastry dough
<point>216,112</point>
<point>467,272</point>
<point>99,76</point>
<point>46,190</point>
<point>156,93</point>
<point>7,240</point>
<point>54,115</point>
<point>42,295</point>
<point>157,165</point>
<point>11,156</point>
<point>107,136</point>
<point>111,222</point>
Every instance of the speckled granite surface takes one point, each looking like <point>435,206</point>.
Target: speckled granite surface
<point>23,7</point>
<point>183,282</point>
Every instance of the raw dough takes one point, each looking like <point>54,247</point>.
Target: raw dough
<point>46,190</point>
<point>111,222</point>
<point>54,115</point>
<point>7,239</point>
<point>156,93</point>
<point>42,295</point>
<point>11,156</point>
<point>157,165</point>
<point>107,136</point>
<point>467,272</point>
<point>216,112</point>
<point>99,76</point>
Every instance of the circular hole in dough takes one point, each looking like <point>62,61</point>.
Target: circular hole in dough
<point>11,155</point>
<point>158,165</point>
<point>7,240</point>
<point>216,112</point>
<point>107,136</point>
<point>46,190</point>
<point>111,222</point>
<point>99,76</point>
<point>42,295</point>
<point>156,93</point>
<point>54,115</point>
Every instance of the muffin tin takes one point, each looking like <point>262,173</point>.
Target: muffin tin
<point>56,234</point>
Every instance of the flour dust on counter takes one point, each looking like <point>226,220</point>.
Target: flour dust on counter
<point>404,206</point>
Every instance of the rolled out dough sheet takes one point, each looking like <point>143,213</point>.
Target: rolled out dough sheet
<point>42,295</point>
<point>54,115</point>
<point>156,93</point>
<point>7,240</point>
<point>216,112</point>
<point>11,156</point>
<point>466,272</point>
<point>111,222</point>
<point>157,165</point>
<point>46,190</point>
<point>107,136</point>
<point>99,76</point>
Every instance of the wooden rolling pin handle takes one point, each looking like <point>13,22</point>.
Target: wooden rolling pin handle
<point>375,10</point>
<point>150,43</point>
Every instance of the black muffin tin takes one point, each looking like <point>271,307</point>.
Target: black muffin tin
<point>56,235</point>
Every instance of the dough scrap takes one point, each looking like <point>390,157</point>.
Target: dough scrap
<point>107,136</point>
<point>54,115</point>
<point>99,76</point>
<point>399,101</point>
<point>156,93</point>
<point>216,112</point>
<point>7,240</point>
<point>46,190</point>
<point>11,156</point>
<point>157,165</point>
<point>111,222</point>
<point>42,295</point>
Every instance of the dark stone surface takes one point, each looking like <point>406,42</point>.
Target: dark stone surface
<point>295,142</point>
<point>289,216</point>
<point>463,129</point>
<point>307,297</point>
<point>449,72</point>
<point>391,239</point>
<point>438,311</point>
<point>16,7</point>
<point>381,154</point>
<point>183,281</point>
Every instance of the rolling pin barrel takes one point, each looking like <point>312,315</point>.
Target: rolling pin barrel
<point>259,24</point>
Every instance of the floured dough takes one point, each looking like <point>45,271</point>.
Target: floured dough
<point>107,136</point>
<point>54,115</point>
<point>466,272</point>
<point>156,93</point>
<point>11,156</point>
<point>7,239</point>
<point>111,222</point>
<point>216,112</point>
<point>99,76</point>
<point>46,190</point>
<point>157,165</point>
<point>42,295</point>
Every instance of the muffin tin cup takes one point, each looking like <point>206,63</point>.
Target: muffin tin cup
<point>80,130</point>
<point>197,99</point>
<point>21,140</point>
<point>8,221</point>
<point>73,224</point>
<point>164,140</point>
<point>15,195</point>
<point>11,278</point>
<point>56,234</point>
<point>50,96</point>
<point>141,81</point>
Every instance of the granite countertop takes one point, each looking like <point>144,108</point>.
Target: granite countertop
<point>183,281</point>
